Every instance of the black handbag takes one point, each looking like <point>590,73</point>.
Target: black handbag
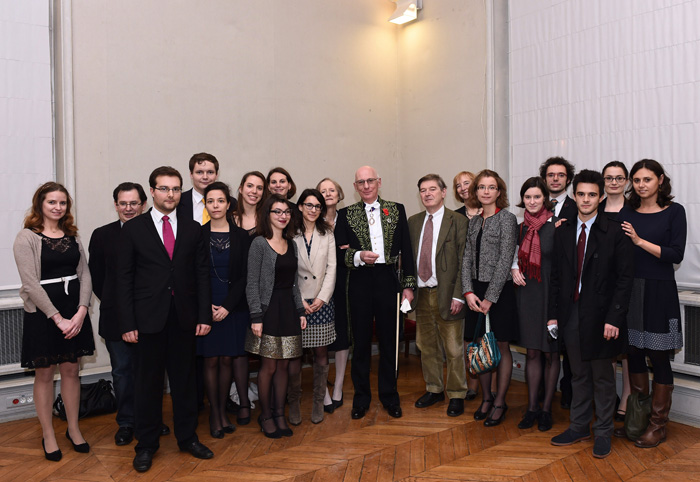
<point>637,415</point>
<point>95,399</point>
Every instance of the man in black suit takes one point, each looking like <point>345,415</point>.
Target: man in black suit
<point>591,284</point>
<point>376,232</point>
<point>558,173</point>
<point>204,170</point>
<point>165,297</point>
<point>129,202</point>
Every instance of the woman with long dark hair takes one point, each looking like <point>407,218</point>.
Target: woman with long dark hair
<point>56,290</point>
<point>488,284</point>
<point>657,227</point>
<point>251,193</point>
<point>316,247</point>
<point>531,277</point>
<point>276,310</point>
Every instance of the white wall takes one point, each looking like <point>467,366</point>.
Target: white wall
<point>320,88</point>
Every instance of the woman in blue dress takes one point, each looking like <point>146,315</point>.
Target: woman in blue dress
<point>223,349</point>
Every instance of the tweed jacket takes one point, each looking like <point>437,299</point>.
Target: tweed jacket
<point>27,251</point>
<point>448,258</point>
<point>261,279</point>
<point>316,273</point>
<point>498,241</point>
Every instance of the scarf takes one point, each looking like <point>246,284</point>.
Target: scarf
<point>530,253</point>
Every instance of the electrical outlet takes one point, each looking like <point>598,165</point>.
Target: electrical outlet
<point>21,400</point>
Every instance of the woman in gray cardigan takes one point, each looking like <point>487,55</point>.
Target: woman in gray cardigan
<point>488,285</point>
<point>56,290</point>
<point>276,309</point>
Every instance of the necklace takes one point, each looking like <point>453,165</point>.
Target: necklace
<point>371,216</point>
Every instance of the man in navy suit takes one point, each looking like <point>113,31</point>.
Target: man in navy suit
<point>129,202</point>
<point>165,297</point>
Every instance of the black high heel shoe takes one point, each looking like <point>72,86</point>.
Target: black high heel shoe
<point>82,448</point>
<point>216,433</point>
<point>479,415</point>
<point>275,434</point>
<point>52,456</point>
<point>338,403</point>
<point>229,428</point>
<point>492,422</point>
<point>243,420</point>
<point>284,432</point>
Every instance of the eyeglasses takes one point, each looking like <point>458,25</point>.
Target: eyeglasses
<point>558,175</point>
<point>617,179</point>
<point>279,212</point>
<point>132,204</point>
<point>312,207</point>
<point>481,187</point>
<point>370,181</point>
<point>166,190</point>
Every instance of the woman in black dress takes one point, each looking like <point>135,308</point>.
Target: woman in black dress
<point>56,290</point>
<point>657,226</point>
<point>276,309</point>
<point>488,284</point>
<point>251,194</point>
<point>333,194</point>
<point>223,348</point>
<point>531,277</point>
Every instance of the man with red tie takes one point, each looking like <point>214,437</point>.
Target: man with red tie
<point>164,296</point>
<point>591,284</point>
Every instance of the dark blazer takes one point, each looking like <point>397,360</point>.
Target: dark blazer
<point>352,229</point>
<point>103,249</point>
<point>147,278</point>
<point>237,266</point>
<point>606,284</point>
<point>448,258</point>
<point>184,208</point>
<point>568,211</point>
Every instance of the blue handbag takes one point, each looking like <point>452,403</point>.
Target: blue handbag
<point>483,355</point>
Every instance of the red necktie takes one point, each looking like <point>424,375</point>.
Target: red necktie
<point>580,251</point>
<point>168,236</point>
<point>425,259</point>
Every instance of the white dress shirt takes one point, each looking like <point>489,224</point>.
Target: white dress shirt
<point>560,203</point>
<point>197,206</point>
<point>375,234</point>
<point>437,222</point>
<point>157,217</point>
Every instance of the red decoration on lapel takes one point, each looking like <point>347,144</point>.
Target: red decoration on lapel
<point>385,211</point>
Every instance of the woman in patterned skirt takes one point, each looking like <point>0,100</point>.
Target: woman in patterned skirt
<point>56,290</point>
<point>316,276</point>
<point>276,310</point>
<point>657,226</point>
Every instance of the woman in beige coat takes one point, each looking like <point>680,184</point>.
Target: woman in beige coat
<point>316,278</point>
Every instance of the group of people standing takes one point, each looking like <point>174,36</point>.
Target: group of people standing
<point>209,276</point>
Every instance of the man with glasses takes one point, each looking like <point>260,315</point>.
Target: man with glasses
<point>165,301</point>
<point>376,233</point>
<point>129,202</point>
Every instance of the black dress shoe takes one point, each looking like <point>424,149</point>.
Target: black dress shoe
<point>124,436</point>
<point>429,399</point>
<point>394,411</point>
<point>199,450</point>
<point>492,422</point>
<point>338,403</point>
<point>529,419</point>
<point>479,415</point>
<point>164,430</point>
<point>283,431</point>
<point>54,456</point>
<point>545,421</point>
<point>216,433</point>
<point>358,412</point>
<point>243,420</point>
<point>275,434</point>
<point>455,408</point>
<point>330,408</point>
<point>82,448</point>
<point>143,461</point>
<point>471,395</point>
<point>229,428</point>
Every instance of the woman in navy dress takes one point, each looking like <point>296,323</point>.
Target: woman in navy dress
<point>657,226</point>
<point>223,349</point>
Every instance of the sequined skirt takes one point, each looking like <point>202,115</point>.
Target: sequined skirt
<point>277,347</point>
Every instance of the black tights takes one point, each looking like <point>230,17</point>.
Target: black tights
<point>217,383</point>
<point>272,388</point>
<point>240,375</point>
<point>533,374</point>
<point>660,361</point>
<point>505,371</point>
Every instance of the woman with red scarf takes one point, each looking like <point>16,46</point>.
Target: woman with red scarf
<point>531,277</point>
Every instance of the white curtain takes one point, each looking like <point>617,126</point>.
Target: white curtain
<point>601,80</point>
<point>26,129</point>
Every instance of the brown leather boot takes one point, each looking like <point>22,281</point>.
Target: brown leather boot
<point>294,398</point>
<point>660,406</point>
<point>320,380</point>
<point>639,383</point>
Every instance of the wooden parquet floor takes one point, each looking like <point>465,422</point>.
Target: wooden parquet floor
<point>423,446</point>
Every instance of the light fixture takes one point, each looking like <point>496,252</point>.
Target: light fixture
<point>406,11</point>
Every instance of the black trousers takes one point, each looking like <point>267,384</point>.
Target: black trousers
<point>172,349</point>
<point>372,296</point>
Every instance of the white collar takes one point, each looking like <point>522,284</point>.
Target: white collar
<point>196,197</point>
<point>375,205</point>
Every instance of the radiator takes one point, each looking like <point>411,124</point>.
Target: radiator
<point>687,359</point>
<point>11,316</point>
